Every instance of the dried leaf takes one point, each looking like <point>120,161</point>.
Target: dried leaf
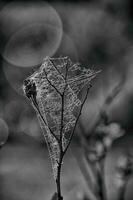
<point>53,90</point>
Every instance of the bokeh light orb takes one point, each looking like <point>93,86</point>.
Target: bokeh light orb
<point>30,32</point>
<point>30,45</point>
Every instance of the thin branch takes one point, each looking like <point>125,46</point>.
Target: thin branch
<point>62,98</point>
<point>37,108</point>
<point>115,91</point>
<point>65,77</point>
<point>58,182</point>
<point>122,192</point>
<point>61,155</point>
<point>62,120</point>
<point>56,68</point>
<point>66,73</point>
<point>52,84</point>
<point>70,139</point>
<point>100,178</point>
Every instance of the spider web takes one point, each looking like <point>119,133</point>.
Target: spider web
<point>57,79</point>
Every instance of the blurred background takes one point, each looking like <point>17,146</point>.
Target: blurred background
<point>96,33</point>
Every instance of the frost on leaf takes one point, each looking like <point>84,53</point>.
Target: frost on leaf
<point>53,91</point>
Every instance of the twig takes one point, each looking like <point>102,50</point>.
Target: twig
<point>56,68</point>
<point>38,110</point>
<point>70,139</point>
<point>58,184</point>
<point>100,178</point>
<point>122,192</point>
<point>62,152</point>
<point>52,84</point>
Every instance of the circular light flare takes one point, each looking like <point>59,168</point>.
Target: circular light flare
<point>31,31</point>
<point>28,46</point>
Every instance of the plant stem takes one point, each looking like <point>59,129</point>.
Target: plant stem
<point>80,111</point>
<point>100,179</point>
<point>100,185</point>
<point>122,192</point>
<point>58,179</point>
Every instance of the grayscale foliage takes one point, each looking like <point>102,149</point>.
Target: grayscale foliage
<point>53,90</point>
